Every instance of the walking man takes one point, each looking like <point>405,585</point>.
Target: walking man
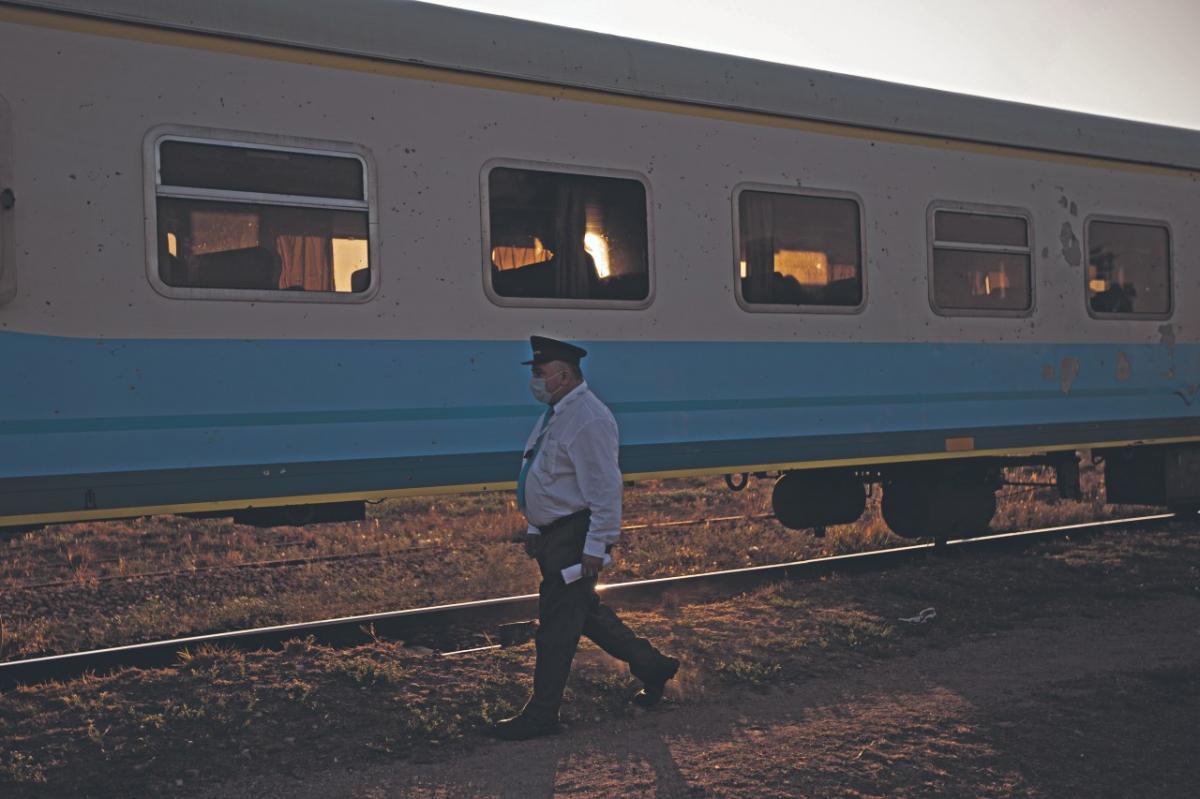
<point>570,491</point>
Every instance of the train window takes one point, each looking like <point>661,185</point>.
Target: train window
<point>567,238</point>
<point>254,221</point>
<point>1129,269</point>
<point>980,262</point>
<point>798,251</point>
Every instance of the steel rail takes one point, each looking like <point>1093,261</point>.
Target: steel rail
<point>432,623</point>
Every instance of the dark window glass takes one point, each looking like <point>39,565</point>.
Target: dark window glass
<point>797,250</point>
<point>982,229</point>
<point>965,280</point>
<point>564,236</point>
<point>216,166</point>
<point>225,245</point>
<point>981,262</point>
<point>1128,268</point>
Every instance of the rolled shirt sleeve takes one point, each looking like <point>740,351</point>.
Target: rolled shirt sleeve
<point>594,456</point>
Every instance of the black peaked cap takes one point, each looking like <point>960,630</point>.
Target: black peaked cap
<point>549,349</point>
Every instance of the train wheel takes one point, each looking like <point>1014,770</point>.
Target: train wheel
<point>975,506</point>
<point>906,508</point>
<point>815,500</point>
<point>914,508</point>
<point>965,510</point>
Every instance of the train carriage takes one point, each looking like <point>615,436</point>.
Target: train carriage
<point>274,259</point>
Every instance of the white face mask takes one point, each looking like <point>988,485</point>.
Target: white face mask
<point>537,387</point>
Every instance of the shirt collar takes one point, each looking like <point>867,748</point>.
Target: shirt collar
<point>571,396</point>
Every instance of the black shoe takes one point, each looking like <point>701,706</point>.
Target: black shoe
<point>522,727</point>
<point>652,688</point>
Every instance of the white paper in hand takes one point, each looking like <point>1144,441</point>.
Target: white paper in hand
<point>573,573</point>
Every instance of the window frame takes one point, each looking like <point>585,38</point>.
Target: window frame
<point>485,211</point>
<point>981,209</point>
<point>799,191</point>
<point>257,141</point>
<point>1129,220</point>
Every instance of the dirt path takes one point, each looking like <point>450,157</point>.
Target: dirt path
<point>1062,707</point>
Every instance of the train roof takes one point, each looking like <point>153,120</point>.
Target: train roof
<point>437,36</point>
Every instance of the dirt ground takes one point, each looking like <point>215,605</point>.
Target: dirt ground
<point>1060,708</point>
<point>1068,669</point>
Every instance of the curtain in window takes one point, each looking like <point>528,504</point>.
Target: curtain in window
<point>573,266</point>
<point>758,237</point>
<point>306,263</point>
<point>303,240</point>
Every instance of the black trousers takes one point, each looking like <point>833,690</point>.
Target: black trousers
<point>567,611</point>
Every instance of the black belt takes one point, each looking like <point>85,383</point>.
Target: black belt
<point>558,524</point>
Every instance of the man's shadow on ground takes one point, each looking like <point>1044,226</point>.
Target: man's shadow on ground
<point>632,756</point>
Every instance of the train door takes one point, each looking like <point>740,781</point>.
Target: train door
<point>8,201</point>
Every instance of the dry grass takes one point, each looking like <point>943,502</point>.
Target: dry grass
<point>415,552</point>
<point>308,708</point>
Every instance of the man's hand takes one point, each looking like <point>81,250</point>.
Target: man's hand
<point>533,545</point>
<point>591,565</point>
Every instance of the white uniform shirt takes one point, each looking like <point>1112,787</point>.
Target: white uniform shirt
<point>575,468</point>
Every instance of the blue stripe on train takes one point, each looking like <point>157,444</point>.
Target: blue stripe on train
<point>70,405</point>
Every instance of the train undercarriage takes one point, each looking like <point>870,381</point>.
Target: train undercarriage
<point>957,498</point>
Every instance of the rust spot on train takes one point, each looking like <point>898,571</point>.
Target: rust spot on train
<point>1047,371</point>
<point>1124,368</point>
<point>1069,371</point>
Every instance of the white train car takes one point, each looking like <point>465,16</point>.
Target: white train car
<point>276,258</point>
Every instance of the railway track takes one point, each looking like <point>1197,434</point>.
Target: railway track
<point>459,623</point>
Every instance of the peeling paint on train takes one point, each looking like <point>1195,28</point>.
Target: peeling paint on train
<point>1069,371</point>
<point>1071,250</point>
<point>1124,368</point>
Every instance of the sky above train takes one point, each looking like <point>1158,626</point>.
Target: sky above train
<point>1110,57</point>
